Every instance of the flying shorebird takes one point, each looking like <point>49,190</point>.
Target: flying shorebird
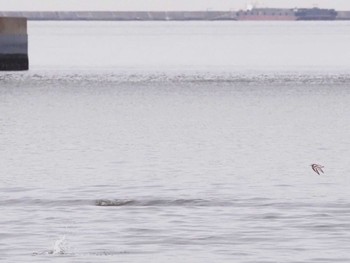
<point>317,168</point>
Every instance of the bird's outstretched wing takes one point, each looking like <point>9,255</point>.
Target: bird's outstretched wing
<point>320,169</point>
<point>317,168</point>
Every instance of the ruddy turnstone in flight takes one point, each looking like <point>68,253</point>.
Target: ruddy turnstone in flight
<point>317,168</point>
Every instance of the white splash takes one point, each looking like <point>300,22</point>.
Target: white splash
<point>60,246</point>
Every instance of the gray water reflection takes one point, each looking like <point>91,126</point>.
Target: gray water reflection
<point>131,169</point>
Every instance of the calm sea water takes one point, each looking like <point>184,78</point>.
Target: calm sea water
<point>179,142</point>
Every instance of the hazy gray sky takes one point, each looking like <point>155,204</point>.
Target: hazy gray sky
<point>6,5</point>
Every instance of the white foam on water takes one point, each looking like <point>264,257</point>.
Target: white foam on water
<point>60,246</point>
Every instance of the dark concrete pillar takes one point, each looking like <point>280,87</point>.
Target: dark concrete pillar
<point>13,43</point>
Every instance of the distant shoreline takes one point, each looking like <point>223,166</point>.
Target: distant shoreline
<point>262,14</point>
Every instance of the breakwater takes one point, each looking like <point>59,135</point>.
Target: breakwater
<point>125,15</point>
<point>253,14</point>
<point>13,43</point>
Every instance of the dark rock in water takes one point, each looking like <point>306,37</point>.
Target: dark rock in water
<point>14,62</point>
<point>105,202</point>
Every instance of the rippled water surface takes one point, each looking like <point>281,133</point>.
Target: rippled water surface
<point>181,164</point>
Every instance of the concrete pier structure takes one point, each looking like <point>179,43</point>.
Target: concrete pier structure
<point>13,43</point>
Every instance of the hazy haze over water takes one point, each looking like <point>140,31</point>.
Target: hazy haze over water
<point>217,46</point>
<point>179,142</point>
